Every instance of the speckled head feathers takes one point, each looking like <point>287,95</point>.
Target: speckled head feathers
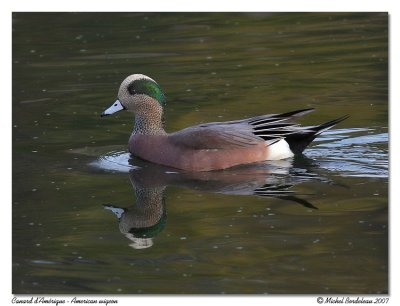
<point>140,84</point>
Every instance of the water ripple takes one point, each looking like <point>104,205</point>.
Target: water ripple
<point>361,155</point>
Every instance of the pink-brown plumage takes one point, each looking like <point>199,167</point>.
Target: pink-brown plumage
<point>210,146</point>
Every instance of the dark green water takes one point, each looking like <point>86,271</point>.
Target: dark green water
<point>321,226</point>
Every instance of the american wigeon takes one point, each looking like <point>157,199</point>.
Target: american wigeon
<point>210,146</point>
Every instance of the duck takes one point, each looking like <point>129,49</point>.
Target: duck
<point>208,146</point>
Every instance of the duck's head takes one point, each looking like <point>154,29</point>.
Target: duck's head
<point>139,94</point>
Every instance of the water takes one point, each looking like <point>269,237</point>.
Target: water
<point>88,218</point>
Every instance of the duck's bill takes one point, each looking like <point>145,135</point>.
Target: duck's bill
<point>115,107</point>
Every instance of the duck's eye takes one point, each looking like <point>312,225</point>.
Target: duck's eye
<point>115,104</point>
<point>132,89</point>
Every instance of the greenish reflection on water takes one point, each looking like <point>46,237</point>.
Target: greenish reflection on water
<point>216,66</point>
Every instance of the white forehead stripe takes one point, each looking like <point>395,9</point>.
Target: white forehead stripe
<point>135,77</point>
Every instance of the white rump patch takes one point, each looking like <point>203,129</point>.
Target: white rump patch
<point>279,150</point>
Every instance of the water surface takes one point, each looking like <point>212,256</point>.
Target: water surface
<point>88,218</point>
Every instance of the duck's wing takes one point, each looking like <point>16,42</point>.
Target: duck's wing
<point>216,136</point>
<point>239,133</point>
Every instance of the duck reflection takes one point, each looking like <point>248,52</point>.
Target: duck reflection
<point>144,220</point>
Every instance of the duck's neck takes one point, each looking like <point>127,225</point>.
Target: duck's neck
<point>145,125</point>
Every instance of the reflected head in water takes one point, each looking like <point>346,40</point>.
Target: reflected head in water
<point>211,146</point>
<point>143,221</point>
<point>137,226</point>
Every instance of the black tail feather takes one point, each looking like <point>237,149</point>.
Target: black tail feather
<point>299,141</point>
<point>296,113</point>
<point>327,125</point>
